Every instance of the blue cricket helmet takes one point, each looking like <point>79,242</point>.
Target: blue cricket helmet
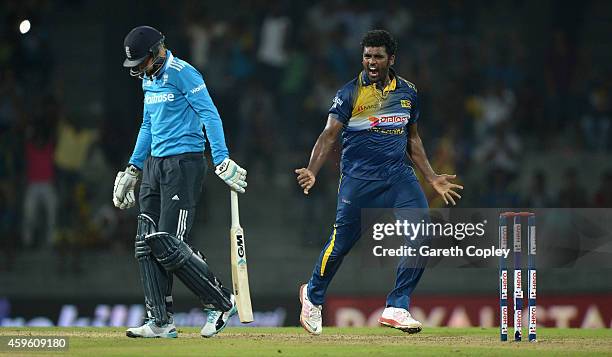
<point>140,43</point>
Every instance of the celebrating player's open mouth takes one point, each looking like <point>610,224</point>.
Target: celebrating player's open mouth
<point>373,73</point>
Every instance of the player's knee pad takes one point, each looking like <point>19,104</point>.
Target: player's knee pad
<point>177,256</point>
<point>156,281</point>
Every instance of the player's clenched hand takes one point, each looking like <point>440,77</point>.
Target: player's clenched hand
<point>233,175</point>
<point>446,188</point>
<point>306,179</point>
<point>125,183</point>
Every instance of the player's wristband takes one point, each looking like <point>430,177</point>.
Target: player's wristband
<point>133,169</point>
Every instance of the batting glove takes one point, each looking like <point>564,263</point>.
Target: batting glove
<point>233,175</point>
<point>125,183</point>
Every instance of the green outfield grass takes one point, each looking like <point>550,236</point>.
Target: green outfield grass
<point>293,341</point>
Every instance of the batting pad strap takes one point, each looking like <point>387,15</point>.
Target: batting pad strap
<point>177,257</point>
<point>141,249</point>
<point>155,280</point>
<point>146,224</point>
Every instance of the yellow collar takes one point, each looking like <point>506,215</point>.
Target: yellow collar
<point>391,86</point>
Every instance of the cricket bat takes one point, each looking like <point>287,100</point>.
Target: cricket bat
<point>240,275</point>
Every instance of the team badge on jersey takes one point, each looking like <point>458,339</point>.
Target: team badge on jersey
<point>406,103</point>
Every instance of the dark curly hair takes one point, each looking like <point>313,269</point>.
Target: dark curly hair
<point>379,38</point>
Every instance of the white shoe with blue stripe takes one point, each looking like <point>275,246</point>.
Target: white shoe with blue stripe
<point>217,320</point>
<point>151,330</point>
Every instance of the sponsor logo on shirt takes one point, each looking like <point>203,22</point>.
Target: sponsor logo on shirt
<point>406,103</point>
<point>395,131</point>
<point>159,98</point>
<point>198,88</point>
<point>364,107</point>
<point>392,119</point>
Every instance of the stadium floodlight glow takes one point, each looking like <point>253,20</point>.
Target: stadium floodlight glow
<point>24,26</point>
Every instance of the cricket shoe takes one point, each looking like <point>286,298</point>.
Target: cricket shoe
<point>310,317</point>
<point>399,319</point>
<point>151,330</point>
<point>217,320</point>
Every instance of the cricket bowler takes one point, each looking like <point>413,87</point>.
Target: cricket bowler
<point>169,154</point>
<point>377,113</point>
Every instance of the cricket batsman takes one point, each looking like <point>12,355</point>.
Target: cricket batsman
<point>169,155</point>
<point>377,113</point>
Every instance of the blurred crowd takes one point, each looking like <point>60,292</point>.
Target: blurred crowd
<point>492,92</point>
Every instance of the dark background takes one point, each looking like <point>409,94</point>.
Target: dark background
<point>515,99</point>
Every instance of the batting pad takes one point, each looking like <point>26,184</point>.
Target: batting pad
<point>178,257</point>
<point>156,281</point>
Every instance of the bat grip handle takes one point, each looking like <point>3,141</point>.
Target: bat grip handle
<point>234,208</point>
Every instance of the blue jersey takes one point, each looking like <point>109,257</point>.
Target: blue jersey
<point>374,139</point>
<point>176,107</point>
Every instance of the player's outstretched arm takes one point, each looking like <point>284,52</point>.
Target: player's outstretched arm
<point>327,139</point>
<point>441,183</point>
